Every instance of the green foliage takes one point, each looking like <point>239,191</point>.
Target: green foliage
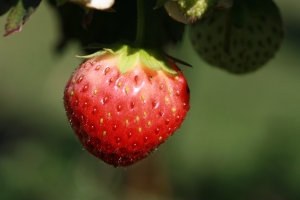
<point>18,15</point>
<point>100,27</point>
<point>160,3</point>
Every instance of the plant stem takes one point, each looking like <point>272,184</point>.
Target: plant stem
<point>140,24</point>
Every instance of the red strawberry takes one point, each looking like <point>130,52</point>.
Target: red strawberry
<point>123,104</point>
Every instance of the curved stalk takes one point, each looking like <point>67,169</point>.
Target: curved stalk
<point>140,23</point>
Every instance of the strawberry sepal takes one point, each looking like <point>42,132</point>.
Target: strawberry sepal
<point>129,57</point>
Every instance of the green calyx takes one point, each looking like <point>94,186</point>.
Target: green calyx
<point>130,57</point>
<point>196,9</point>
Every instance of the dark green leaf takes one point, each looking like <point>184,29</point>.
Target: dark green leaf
<point>60,2</point>
<point>19,15</point>
<point>107,27</point>
<point>160,3</point>
<point>5,5</point>
<point>176,60</point>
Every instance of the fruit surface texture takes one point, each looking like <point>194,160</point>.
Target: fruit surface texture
<point>241,39</point>
<point>120,108</point>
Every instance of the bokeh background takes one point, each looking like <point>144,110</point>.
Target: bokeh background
<point>241,139</point>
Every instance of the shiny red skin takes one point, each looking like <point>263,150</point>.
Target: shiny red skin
<point>122,118</point>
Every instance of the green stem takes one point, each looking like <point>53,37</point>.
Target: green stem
<point>140,24</point>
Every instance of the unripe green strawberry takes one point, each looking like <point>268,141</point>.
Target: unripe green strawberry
<point>124,103</point>
<point>241,39</point>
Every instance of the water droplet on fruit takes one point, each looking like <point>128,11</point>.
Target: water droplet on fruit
<point>76,102</point>
<point>178,93</point>
<point>114,127</point>
<point>154,104</point>
<point>94,110</point>
<point>169,130</point>
<point>157,130</point>
<point>107,69</point>
<point>134,145</point>
<point>161,86</point>
<point>97,67</point>
<point>85,88</point>
<point>167,121</point>
<point>85,104</point>
<point>92,128</point>
<point>132,105</point>
<point>87,65</point>
<point>136,78</point>
<point>118,140</point>
<point>161,113</point>
<point>177,118</point>
<point>119,108</point>
<point>111,80</point>
<point>104,100</point>
<point>146,139</point>
<point>129,135</point>
<point>79,79</point>
<point>82,118</point>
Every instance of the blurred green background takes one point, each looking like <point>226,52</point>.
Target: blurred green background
<point>241,139</point>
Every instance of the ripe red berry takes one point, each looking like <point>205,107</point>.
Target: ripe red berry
<point>123,104</point>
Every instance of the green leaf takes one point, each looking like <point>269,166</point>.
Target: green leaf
<point>5,5</point>
<point>128,61</point>
<point>176,60</point>
<point>156,61</point>
<point>160,3</point>
<point>98,53</point>
<point>149,61</point>
<point>60,2</point>
<point>19,15</point>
